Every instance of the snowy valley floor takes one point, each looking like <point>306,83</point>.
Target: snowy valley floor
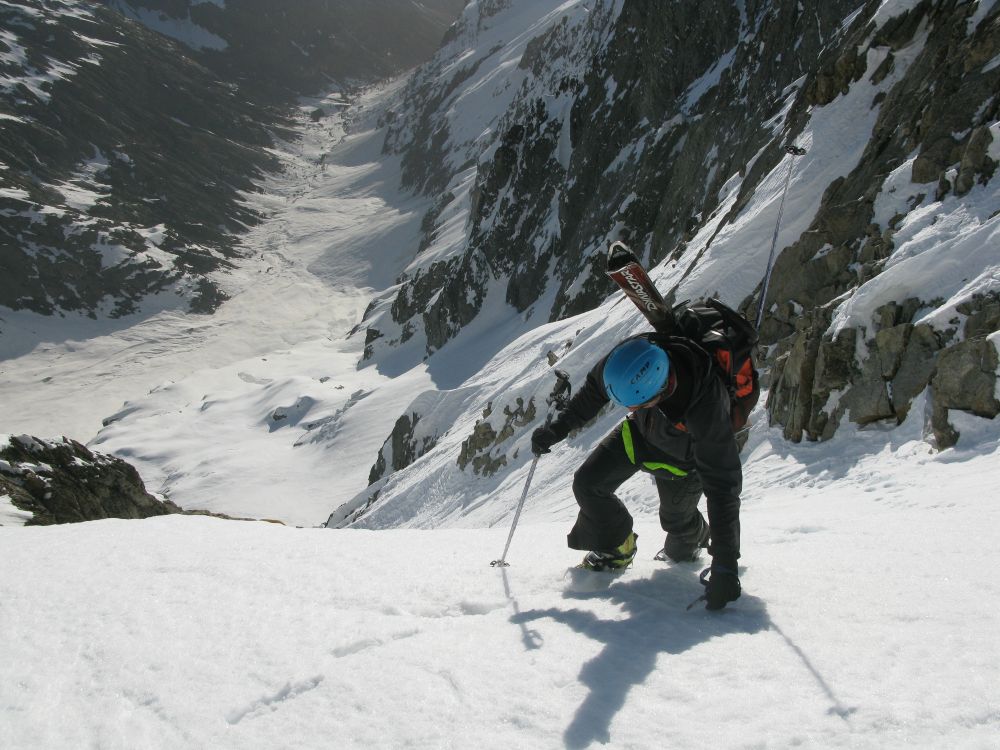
<point>868,620</point>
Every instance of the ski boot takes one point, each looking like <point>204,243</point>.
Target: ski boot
<point>682,550</point>
<point>618,559</point>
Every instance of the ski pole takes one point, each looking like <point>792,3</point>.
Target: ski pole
<point>794,151</point>
<point>502,562</point>
<point>557,399</point>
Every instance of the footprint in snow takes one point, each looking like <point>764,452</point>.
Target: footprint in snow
<point>290,691</point>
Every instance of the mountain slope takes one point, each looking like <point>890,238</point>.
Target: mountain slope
<point>542,141</point>
<point>906,317</point>
<point>903,315</point>
<point>458,429</point>
<point>862,623</point>
<point>272,369</point>
<point>118,182</point>
<point>126,159</point>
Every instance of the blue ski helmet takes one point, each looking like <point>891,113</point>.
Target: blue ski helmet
<point>635,372</point>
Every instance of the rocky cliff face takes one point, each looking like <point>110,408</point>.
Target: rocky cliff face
<point>660,123</point>
<point>625,120</point>
<point>935,144</point>
<point>61,481</point>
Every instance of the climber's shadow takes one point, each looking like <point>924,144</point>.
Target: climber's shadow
<point>657,623</point>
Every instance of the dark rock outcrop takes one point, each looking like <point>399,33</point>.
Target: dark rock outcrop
<point>61,481</point>
<point>818,379</point>
<point>482,449</point>
<point>401,449</point>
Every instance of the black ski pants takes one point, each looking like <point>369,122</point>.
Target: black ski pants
<point>604,522</point>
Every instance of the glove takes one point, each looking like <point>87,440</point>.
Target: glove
<point>543,439</point>
<point>723,587</point>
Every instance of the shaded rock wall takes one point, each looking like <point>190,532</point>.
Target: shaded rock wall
<point>61,481</point>
<point>939,111</point>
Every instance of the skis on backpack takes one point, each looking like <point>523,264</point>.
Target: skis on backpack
<point>724,333</point>
<point>626,270</point>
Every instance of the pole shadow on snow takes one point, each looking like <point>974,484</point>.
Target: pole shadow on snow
<point>657,623</point>
<point>836,707</point>
<point>532,638</point>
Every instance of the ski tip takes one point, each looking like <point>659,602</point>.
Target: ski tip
<point>619,255</point>
<point>618,247</point>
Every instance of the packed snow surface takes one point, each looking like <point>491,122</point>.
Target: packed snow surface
<point>867,621</point>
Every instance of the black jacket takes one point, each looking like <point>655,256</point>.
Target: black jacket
<point>690,430</point>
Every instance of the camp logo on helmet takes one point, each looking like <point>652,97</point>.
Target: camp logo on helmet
<point>642,372</point>
<point>635,371</point>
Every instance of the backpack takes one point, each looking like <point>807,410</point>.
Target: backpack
<point>729,338</point>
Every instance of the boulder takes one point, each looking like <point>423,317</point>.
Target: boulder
<point>916,367</point>
<point>482,448</point>
<point>965,380</point>
<point>61,481</point>
<point>835,369</point>
<point>790,399</point>
<point>983,315</point>
<point>402,448</point>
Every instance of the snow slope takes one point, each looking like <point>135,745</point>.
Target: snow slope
<point>867,622</point>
